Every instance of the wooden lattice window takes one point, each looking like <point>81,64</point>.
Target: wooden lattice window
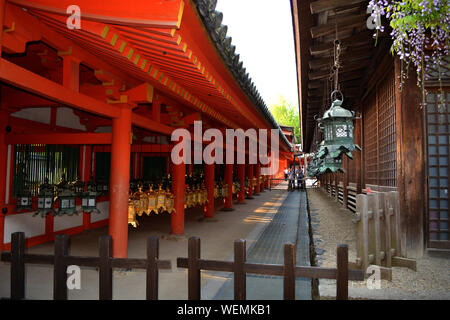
<point>370,141</point>
<point>387,148</point>
<point>380,152</point>
<point>438,153</point>
<point>33,163</point>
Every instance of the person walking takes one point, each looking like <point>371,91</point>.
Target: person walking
<point>286,173</point>
<point>291,180</point>
<point>300,182</point>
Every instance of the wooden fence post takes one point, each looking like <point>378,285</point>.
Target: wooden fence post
<point>60,267</point>
<point>401,252</point>
<point>382,227</point>
<point>289,272</point>
<point>240,281</point>
<point>17,266</point>
<point>342,272</point>
<point>152,268</point>
<point>105,270</point>
<point>193,269</point>
<point>362,236</point>
<point>375,228</point>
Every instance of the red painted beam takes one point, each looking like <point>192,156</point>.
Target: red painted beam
<point>31,82</point>
<point>151,125</point>
<point>139,13</point>
<point>60,138</point>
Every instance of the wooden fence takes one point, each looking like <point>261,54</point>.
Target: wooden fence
<point>289,271</point>
<point>105,264</point>
<point>379,232</point>
<point>61,260</point>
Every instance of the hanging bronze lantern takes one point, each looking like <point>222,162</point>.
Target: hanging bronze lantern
<point>24,200</point>
<point>102,186</point>
<point>186,197</point>
<point>89,198</point>
<point>169,201</point>
<point>45,199</point>
<point>66,198</point>
<point>204,194</point>
<point>142,201</point>
<point>132,213</point>
<point>216,191</point>
<point>196,195</point>
<point>24,196</point>
<point>220,189</point>
<point>78,187</point>
<point>313,169</point>
<point>225,190</point>
<point>337,126</point>
<point>199,196</point>
<point>330,165</point>
<point>161,200</point>
<point>151,204</point>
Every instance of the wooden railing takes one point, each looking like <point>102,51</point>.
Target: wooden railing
<point>106,263</point>
<point>61,260</point>
<point>289,271</point>
<point>340,193</point>
<point>351,197</point>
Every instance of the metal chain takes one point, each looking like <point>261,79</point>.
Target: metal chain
<point>334,72</point>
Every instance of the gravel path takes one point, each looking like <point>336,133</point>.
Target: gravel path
<point>332,225</point>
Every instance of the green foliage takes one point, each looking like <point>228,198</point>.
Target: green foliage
<point>286,114</point>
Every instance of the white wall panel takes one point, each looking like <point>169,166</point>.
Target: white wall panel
<point>24,222</point>
<point>104,212</point>
<point>65,117</point>
<point>35,114</point>
<point>66,222</point>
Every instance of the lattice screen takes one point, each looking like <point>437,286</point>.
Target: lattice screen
<point>438,143</point>
<point>387,154</point>
<point>370,147</point>
<point>380,152</point>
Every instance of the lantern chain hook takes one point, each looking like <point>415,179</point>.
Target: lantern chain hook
<point>334,74</point>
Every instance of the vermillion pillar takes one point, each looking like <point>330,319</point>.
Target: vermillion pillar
<point>120,182</point>
<point>209,182</point>
<point>3,161</point>
<point>241,178</point>
<point>250,181</point>
<point>178,172</point>
<point>263,184</point>
<point>228,205</point>
<point>257,170</point>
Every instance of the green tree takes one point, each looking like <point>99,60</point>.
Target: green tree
<point>286,114</point>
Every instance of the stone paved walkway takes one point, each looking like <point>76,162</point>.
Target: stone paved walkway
<point>289,225</point>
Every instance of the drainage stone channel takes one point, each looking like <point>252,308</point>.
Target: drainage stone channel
<point>289,225</point>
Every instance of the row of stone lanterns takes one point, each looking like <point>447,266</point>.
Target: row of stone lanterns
<point>337,127</point>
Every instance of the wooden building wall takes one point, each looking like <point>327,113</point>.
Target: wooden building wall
<point>391,136</point>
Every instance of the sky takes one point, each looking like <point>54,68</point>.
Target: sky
<point>263,35</point>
